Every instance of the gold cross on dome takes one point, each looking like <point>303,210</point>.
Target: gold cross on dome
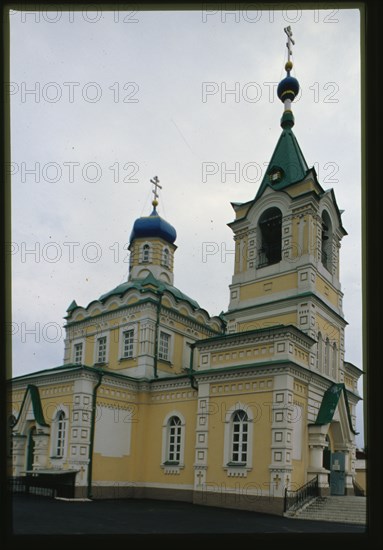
<point>156,182</point>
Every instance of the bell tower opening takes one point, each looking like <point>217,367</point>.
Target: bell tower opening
<point>326,241</point>
<point>270,226</point>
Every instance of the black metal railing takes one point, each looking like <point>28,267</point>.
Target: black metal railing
<point>29,485</point>
<point>295,499</point>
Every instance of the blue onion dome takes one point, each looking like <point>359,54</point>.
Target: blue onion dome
<point>153,226</point>
<point>288,88</point>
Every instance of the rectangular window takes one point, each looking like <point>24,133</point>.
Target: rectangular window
<point>78,353</point>
<point>174,450</point>
<point>101,349</point>
<point>128,343</point>
<point>164,346</point>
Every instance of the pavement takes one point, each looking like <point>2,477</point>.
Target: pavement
<point>45,516</point>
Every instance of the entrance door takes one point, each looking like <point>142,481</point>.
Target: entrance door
<point>31,448</point>
<point>337,474</point>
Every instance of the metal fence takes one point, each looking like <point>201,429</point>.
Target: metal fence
<point>30,485</point>
<point>295,499</point>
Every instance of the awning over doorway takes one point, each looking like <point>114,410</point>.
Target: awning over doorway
<point>329,403</point>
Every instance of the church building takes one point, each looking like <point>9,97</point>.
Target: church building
<point>157,399</point>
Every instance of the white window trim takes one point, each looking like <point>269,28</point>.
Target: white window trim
<point>172,468</point>
<point>163,262</point>
<point>125,328</point>
<point>59,460</point>
<point>141,256</point>
<point>95,357</point>
<point>236,470</point>
<point>78,341</point>
<point>171,345</point>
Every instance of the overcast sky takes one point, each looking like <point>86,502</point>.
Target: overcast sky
<point>102,102</point>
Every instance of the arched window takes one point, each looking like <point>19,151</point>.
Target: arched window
<point>326,241</point>
<point>145,253</point>
<point>61,428</point>
<point>327,357</point>
<point>165,257</point>
<point>239,437</point>
<point>270,226</point>
<point>334,360</point>
<point>319,352</point>
<point>174,440</point>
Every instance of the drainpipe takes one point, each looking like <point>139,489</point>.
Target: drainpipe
<point>160,294</point>
<point>192,378</point>
<point>92,432</point>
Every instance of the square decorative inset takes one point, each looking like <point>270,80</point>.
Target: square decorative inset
<point>77,399</point>
<point>251,264</point>
<point>204,359</point>
<point>277,457</point>
<point>82,451</point>
<point>303,276</point>
<point>278,436</point>
<point>285,230</point>
<point>201,455</point>
<point>84,433</point>
<point>85,416</point>
<point>278,417</point>
<point>251,243</point>
<point>74,432</point>
<point>201,438</point>
<point>73,450</point>
<point>279,398</point>
<point>234,293</point>
<point>202,420</point>
<point>288,457</point>
<point>75,416</point>
<point>313,277</point>
<point>288,437</point>
<point>303,319</point>
<point>280,347</point>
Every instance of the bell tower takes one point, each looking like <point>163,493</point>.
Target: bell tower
<point>287,242</point>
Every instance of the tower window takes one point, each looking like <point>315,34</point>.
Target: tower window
<point>165,257</point>
<point>326,241</point>
<point>270,225</point>
<point>145,253</point>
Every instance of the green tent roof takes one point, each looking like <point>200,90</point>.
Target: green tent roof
<point>288,159</point>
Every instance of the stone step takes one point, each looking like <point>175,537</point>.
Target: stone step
<point>339,509</point>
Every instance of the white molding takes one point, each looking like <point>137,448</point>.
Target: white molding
<point>234,469</point>
<point>173,468</point>
<point>129,325</point>
<point>102,334</point>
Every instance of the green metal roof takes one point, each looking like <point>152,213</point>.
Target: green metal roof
<point>329,403</point>
<point>289,159</point>
<point>142,286</point>
<point>36,405</point>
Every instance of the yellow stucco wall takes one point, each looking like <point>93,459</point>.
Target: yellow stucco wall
<point>280,283</point>
<point>269,321</point>
<point>327,291</point>
<point>259,403</point>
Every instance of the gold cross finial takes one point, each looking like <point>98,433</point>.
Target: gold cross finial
<point>290,41</point>
<point>156,182</point>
